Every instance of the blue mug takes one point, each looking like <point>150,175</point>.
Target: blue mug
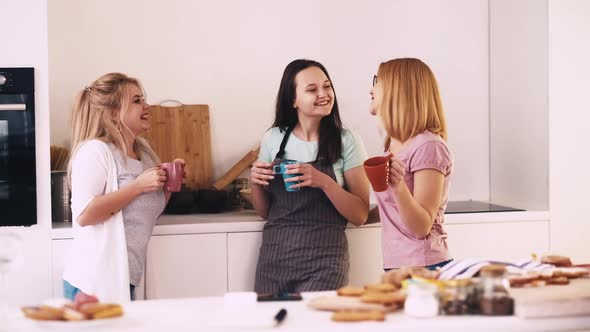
<point>282,168</point>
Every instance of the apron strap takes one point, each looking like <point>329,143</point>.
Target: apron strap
<point>281,152</point>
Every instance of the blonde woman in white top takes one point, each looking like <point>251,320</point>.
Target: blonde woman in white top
<point>117,190</point>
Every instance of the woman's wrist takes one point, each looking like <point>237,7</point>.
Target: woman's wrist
<point>397,188</point>
<point>135,188</point>
<point>326,182</point>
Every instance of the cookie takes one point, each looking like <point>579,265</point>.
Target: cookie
<point>43,313</point>
<point>535,283</point>
<point>72,314</point>
<point>384,288</point>
<point>111,312</point>
<point>523,279</point>
<point>570,272</point>
<point>556,260</point>
<point>423,272</point>
<point>358,316</point>
<point>558,281</point>
<point>350,291</point>
<point>346,303</point>
<point>384,298</point>
<point>396,276</point>
<point>101,310</point>
<point>546,275</point>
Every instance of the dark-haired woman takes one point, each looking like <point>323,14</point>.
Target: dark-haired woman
<point>304,247</point>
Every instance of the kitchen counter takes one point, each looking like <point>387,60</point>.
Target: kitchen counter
<point>248,221</point>
<point>212,313</point>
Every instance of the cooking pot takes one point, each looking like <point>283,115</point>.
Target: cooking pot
<point>212,201</point>
<point>182,202</point>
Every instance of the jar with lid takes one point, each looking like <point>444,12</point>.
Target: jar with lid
<point>456,297</point>
<point>495,299</point>
<point>422,300</point>
<point>237,202</point>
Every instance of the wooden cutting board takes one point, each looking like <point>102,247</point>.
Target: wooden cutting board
<point>553,300</point>
<point>183,132</point>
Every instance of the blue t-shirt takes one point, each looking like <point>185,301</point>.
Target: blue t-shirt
<point>353,150</point>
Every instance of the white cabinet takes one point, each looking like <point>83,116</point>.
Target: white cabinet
<point>186,266</point>
<point>210,264</point>
<point>242,257</point>
<point>366,260</point>
<point>60,250</point>
<point>510,240</point>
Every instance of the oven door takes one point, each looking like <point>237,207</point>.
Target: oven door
<point>18,199</point>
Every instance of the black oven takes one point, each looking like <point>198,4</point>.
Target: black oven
<point>18,195</point>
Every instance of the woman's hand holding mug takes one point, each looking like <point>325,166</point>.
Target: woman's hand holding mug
<point>261,172</point>
<point>180,160</point>
<point>397,170</point>
<point>307,176</point>
<point>151,179</point>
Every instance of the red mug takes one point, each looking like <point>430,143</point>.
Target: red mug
<point>174,172</point>
<point>377,169</point>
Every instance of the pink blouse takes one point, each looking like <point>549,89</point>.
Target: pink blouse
<point>400,248</point>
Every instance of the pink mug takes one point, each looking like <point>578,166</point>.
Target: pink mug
<point>174,172</point>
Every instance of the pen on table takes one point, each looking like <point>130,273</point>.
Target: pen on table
<point>280,317</point>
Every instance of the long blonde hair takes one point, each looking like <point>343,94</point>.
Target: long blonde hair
<point>411,101</point>
<point>94,114</point>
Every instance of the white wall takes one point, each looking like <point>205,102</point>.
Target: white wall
<point>569,69</point>
<point>23,38</point>
<point>230,54</point>
<point>519,111</point>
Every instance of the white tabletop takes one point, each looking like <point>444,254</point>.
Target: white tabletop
<point>210,314</point>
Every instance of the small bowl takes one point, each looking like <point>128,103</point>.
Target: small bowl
<point>247,194</point>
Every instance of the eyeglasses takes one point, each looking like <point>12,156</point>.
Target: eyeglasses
<point>374,80</point>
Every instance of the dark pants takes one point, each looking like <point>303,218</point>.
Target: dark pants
<point>71,291</point>
<point>432,267</point>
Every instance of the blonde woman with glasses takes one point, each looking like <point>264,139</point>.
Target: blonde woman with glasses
<point>117,190</point>
<point>406,99</point>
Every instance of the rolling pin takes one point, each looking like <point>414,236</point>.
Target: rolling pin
<point>237,169</point>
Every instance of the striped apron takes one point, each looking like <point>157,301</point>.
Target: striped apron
<point>304,247</point>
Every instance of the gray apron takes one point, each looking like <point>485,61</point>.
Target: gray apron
<point>304,247</point>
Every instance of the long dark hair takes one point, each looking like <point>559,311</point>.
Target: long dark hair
<point>330,144</point>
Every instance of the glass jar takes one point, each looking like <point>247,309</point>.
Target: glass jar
<point>237,202</point>
<point>495,299</point>
<point>456,296</point>
<point>422,300</point>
